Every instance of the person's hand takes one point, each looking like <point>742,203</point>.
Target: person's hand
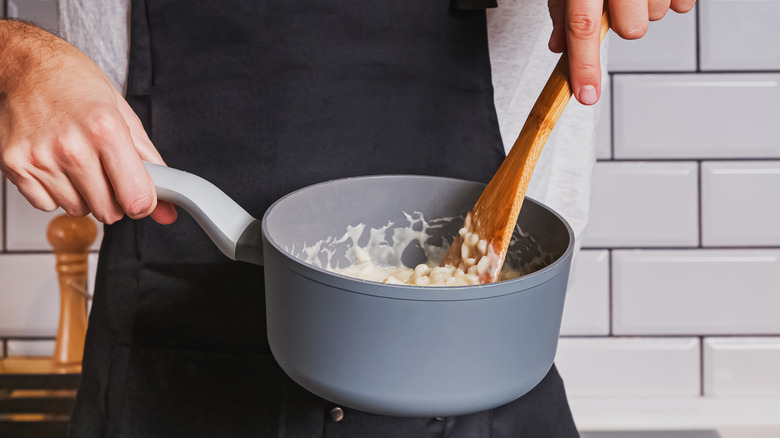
<point>576,29</point>
<point>69,139</point>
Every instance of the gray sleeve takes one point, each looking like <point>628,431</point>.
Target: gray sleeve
<point>521,64</point>
<point>100,29</point>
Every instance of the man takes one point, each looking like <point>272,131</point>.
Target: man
<point>260,98</point>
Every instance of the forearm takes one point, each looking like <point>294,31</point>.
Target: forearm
<point>25,50</point>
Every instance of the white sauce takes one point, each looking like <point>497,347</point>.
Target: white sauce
<point>380,258</point>
<point>477,252</point>
<point>424,274</point>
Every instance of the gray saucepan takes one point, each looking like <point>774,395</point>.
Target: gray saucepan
<point>390,349</point>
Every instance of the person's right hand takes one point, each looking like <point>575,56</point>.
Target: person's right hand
<point>577,28</point>
<point>69,139</point>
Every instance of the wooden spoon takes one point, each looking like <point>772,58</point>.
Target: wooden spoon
<point>488,228</point>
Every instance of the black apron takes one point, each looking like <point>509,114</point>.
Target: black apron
<point>262,98</point>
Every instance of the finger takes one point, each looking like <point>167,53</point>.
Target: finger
<point>77,159</point>
<point>656,9</point>
<point>629,18</point>
<point>141,141</point>
<point>164,213</point>
<point>16,166</point>
<point>557,9</point>
<point>36,195</point>
<point>682,6</point>
<point>131,184</point>
<point>62,191</point>
<point>583,27</point>
<point>91,181</point>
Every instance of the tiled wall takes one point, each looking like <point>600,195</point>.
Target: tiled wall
<point>29,294</point>
<point>677,292</point>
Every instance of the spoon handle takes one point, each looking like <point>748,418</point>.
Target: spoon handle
<point>511,180</point>
<point>495,213</point>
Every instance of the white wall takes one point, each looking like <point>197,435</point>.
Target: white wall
<point>674,316</point>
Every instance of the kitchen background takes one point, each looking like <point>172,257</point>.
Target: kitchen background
<point>673,317</point>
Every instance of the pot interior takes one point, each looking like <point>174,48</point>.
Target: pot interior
<point>324,211</point>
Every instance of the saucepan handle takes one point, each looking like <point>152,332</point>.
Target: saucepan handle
<point>235,232</point>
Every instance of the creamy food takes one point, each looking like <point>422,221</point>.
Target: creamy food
<point>380,257</point>
<point>424,274</point>
<point>470,250</point>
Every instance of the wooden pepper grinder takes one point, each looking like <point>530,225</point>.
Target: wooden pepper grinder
<point>71,238</point>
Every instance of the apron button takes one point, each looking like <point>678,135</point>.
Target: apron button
<point>336,414</point>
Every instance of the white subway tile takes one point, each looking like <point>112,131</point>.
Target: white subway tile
<point>604,123</point>
<point>30,348</point>
<point>26,226</point>
<point>696,116</point>
<point>29,294</point>
<point>742,367</point>
<point>643,204</point>
<point>739,35</point>
<point>740,203</point>
<point>42,12</point>
<point>92,261</point>
<point>629,367</point>
<point>669,45</point>
<point>587,298</point>
<point>687,292</point>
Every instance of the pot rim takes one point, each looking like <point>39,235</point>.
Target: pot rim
<point>412,292</point>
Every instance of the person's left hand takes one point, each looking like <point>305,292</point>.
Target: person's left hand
<point>577,26</point>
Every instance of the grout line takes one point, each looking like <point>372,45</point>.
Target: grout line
<point>698,39</point>
<point>654,72</point>
<point>28,251</point>
<point>38,251</point>
<point>687,160</point>
<point>701,366</point>
<point>610,271</point>
<point>611,117</point>
<point>674,335</point>
<point>678,248</point>
<point>692,72</point>
<point>699,200</point>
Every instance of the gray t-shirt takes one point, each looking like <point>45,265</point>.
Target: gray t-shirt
<point>518,31</point>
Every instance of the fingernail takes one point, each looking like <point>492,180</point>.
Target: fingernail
<point>588,95</point>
